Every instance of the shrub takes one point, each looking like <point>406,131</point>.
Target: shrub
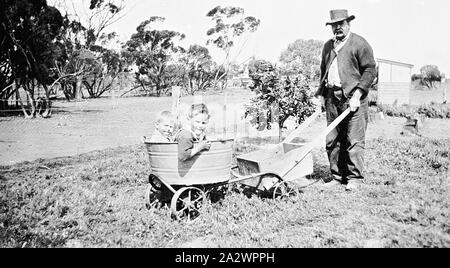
<point>432,110</point>
<point>435,110</point>
<point>278,97</point>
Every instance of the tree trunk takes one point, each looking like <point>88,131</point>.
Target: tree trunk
<point>47,105</point>
<point>158,89</point>
<point>280,129</point>
<point>3,105</point>
<point>444,101</point>
<point>17,96</point>
<point>30,98</point>
<point>280,132</point>
<point>191,87</point>
<point>215,81</point>
<point>77,89</point>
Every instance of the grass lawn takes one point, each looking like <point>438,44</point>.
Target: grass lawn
<point>97,200</point>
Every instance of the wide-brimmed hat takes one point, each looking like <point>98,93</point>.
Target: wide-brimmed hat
<point>338,15</point>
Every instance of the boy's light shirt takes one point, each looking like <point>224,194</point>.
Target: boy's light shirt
<point>158,137</point>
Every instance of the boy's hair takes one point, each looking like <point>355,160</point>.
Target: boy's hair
<point>164,115</point>
<point>196,109</point>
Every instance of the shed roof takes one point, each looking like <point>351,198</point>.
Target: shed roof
<point>395,63</point>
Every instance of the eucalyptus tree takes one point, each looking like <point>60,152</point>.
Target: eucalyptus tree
<point>199,68</point>
<point>152,51</point>
<point>230,27</point>
<point>302,57</point>
<point>430,75</point>
<point>91,61</point>
<point>30,45</point>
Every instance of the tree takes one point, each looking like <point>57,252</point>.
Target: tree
<point>429,76</point>
<point>85,27</point>
<point>89,22</point>
<point>103,72</point>
<point>30,46</point>
<point>230,24</point>
<point>199,68</point>
<point>175,75</point>
<point>6,79</point>
<point>105,69</point>
<point>277,97</point>
<point>71,73</point>
<point>302,57</point>
<point>152,51</point>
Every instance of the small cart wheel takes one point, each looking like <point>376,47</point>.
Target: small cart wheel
<point>151,201</point>
<point>286,190</point>
<point>155,182</point>
<point>187,201</point>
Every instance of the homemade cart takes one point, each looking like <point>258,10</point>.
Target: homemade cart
<point>272,170</point>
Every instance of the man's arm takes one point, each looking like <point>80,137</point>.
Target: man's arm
<point>367,68</point>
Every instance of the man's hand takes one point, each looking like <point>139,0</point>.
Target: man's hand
<point>355,101</point>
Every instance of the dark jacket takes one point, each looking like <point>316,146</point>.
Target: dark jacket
<point>357,67</point>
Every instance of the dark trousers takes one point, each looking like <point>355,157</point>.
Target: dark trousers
<point>346,143</point>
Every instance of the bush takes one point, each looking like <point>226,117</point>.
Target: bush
<point>432,110</point>
<point>435,110</point>
<point>278,97</point>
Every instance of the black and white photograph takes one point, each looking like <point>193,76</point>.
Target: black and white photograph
<point>246,125</point>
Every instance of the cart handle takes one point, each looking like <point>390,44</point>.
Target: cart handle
<point>302,126</point>
<point>239,177</point>
<point>308,148</point>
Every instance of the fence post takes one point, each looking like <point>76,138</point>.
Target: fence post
<point>176,94</point>
<point>225,116</point>
<point>235,124</point>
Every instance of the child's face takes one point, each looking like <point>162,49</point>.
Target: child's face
<point>165,127</point>
<point>199,123</point>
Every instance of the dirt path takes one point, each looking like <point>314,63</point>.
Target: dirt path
<point>80,127</point>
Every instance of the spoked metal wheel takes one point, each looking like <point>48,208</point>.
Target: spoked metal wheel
<point>187,202</point>
<point>151,197</point>
<point>155,182</point>
<point>286,190</point>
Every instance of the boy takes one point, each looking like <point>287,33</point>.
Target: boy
<point>164,126</point>
<point>198,118</point>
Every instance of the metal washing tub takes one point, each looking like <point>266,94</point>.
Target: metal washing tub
<point>209,167</point>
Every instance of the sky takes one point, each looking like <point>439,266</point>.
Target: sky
<point>411,31</point>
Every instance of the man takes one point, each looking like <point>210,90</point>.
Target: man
<point>347,72</point>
